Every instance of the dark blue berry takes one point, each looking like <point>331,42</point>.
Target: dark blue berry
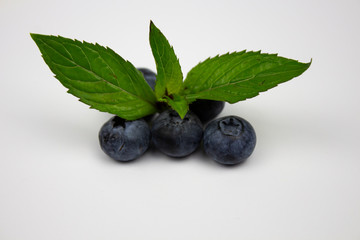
<point>149,76</point>
<point>229,140</point>
<point>206,110</point>
<point>174,136</point>
<point>124,140</point>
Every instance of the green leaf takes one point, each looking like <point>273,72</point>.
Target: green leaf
<point>97,76</point>
<point>169,78</point>
<point>179,104</point>
<point>233,77</point>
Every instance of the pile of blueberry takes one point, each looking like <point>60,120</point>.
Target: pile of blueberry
<point>228,140</point>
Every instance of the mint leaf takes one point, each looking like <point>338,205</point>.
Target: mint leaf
<point>233,77</point>
<point>169,78</point>
<point>179,104</point>
<point>97,76</point>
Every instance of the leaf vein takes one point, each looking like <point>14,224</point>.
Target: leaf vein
<point>121,89</point>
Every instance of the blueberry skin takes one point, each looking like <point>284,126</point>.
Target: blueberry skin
<point>174,136</point>
<point>229,140</point>
<point>149,76</point>
<point>124,140</point>
<point>206,110</point>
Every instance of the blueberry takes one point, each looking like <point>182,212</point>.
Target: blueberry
<point>149,76</point>
<point>206,110</point>
<point>229,140</point>
<point>174,136</point>
<point>124,140</point>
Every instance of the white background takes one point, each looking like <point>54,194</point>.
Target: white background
<point>302,181</point>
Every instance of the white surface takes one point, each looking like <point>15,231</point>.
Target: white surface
<point>302,182</point>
